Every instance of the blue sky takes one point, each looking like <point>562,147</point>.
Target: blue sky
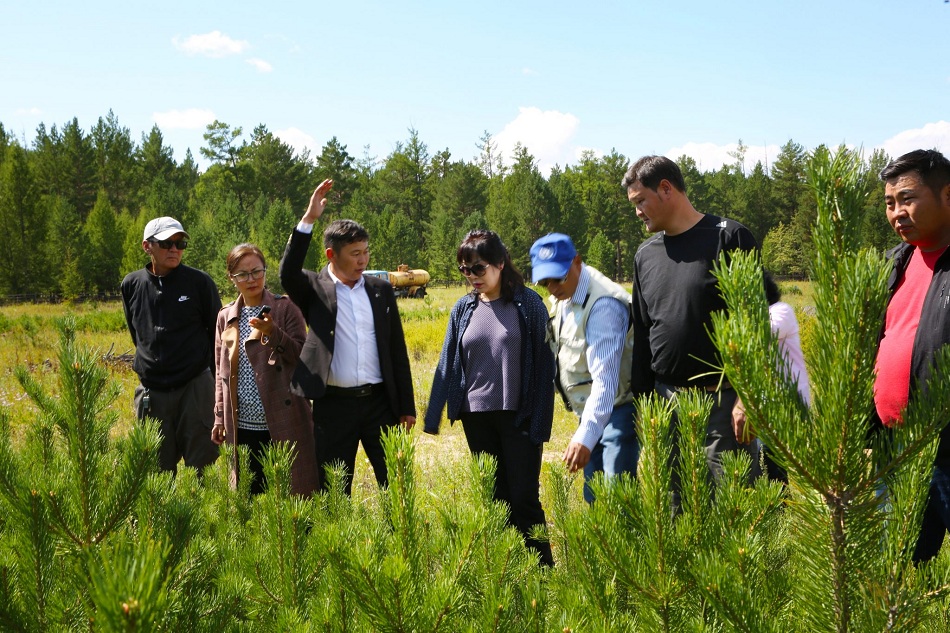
<point>671,77</point>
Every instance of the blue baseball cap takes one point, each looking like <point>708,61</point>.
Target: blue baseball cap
<point>551,257</point>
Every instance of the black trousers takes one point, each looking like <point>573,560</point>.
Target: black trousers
<point>342,423</point>
<point>518,477</point>
<point>256,442</point>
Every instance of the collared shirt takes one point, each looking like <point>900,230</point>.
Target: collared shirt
<point>606,333</point>
<point>355,359</point>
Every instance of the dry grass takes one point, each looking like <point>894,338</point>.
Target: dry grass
<point>29,338</point>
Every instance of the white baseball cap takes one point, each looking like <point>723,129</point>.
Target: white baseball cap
<point>163,228</point>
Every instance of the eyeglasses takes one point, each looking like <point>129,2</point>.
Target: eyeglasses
<point>167,244</point>
<point>257,273</point>
<point>547,282</point>
<point>476,269</point>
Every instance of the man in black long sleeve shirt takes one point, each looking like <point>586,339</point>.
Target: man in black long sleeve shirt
<point>675,294</point>
<point>170,309</point>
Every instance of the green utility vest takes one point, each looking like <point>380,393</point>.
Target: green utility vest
<point>569,343</point>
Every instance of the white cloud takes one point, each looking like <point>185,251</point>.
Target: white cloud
<point>213,44</point>
<point>530,72</point>
<point>932,135</point>
<point>34,111</point>
<point>190,119</point>
<point>298,139</point>
<point>259,64</point>
<point>546,134</point>
<point>711,157</point>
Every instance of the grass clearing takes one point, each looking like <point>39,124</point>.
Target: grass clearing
<point>29,337</point>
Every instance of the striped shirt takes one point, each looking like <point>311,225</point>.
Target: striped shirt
<point>606,333</point>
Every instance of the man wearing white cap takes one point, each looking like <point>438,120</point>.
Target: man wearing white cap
<point>592,340</point>
<point>171,309</point>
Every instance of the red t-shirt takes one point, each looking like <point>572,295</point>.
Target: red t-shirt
<point>892,381</point>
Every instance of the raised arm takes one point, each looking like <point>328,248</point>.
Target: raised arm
<point>292,277</point>
<point>318,201</point>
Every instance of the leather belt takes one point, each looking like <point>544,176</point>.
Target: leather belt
<point>363,391</point>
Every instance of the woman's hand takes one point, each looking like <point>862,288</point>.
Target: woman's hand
<point>217,433</point>
<point>265,324</point>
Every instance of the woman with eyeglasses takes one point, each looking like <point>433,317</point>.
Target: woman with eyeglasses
<point>257,343</point>
<point>496,375</point>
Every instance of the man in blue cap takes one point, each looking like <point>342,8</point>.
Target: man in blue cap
<point>592,338</point>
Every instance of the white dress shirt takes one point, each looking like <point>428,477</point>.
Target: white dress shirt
<point>355,359</point>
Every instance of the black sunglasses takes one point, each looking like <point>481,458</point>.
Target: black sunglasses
<point>167,244</point>
<point>546,282</point>
<point>477,269</point>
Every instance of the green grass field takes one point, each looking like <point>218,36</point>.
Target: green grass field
<point>29,338</point>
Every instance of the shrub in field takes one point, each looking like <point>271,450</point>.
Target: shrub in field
<point>66,492</point>
<point>74,552</point>
<point>849,547</point>
<point>100,320</point>
<point>791,289</point>
<point>435,567</point>
<point>633,562</point>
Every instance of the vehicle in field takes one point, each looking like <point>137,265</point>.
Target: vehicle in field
<point>406,282</point>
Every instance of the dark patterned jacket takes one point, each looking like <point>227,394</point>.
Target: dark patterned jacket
<point>537,367</point>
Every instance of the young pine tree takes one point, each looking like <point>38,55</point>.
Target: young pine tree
<point>855,503</point>
<point>67,490</point>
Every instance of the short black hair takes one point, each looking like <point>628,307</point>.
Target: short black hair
<point>650,170</point>
<point>933,167</point>
<point>772,292</point>
<point>342,232</point>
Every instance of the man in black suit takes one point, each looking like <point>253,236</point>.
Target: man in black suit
<point>354,364</point>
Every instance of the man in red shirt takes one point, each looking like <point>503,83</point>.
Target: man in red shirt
<point>917,322</point>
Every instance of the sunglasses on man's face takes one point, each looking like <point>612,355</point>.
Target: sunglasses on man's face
<point>549,281</point>
<point>476,269</point>
<point>167,244</point>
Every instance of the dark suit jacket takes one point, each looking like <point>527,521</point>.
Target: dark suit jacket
<point>315,295</point>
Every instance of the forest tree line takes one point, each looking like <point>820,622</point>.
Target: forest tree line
<point>74,203</point>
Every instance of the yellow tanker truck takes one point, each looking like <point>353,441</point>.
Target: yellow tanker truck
<point>406,282</point>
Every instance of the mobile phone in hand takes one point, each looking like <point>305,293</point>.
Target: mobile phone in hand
<point>265,309</point>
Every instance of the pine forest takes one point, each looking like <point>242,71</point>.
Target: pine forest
<point>94,538</point>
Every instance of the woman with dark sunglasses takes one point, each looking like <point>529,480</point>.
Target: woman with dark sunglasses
<point>258,341</point>
<point>496,375</point>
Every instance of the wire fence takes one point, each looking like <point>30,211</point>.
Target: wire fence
<point>54,297</point>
